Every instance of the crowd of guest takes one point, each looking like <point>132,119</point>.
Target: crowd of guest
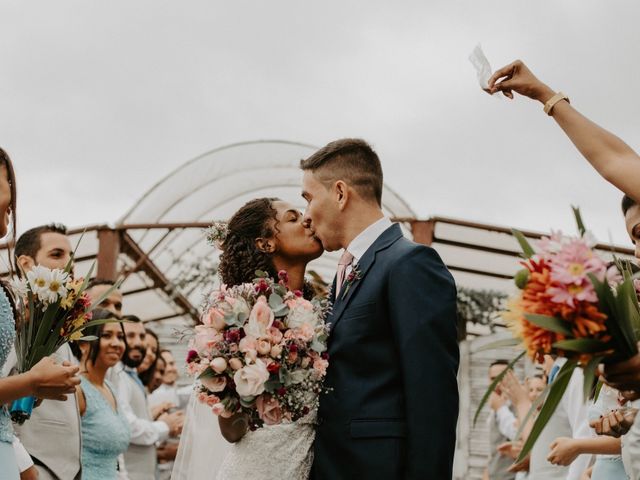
<point>109,426</point>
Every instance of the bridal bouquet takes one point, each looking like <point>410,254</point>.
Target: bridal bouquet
<point>55,310</point>
<point>573,304</point>
<point>261,350</point>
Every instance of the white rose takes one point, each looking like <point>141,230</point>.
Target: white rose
<point>300,316</point>
<point>250,379</point>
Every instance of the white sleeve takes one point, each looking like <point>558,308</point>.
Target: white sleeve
<point>507,422</point>
<point>631,451</point>
<point>143,432</point>
<point>23,459</point>
<point>578,416</point>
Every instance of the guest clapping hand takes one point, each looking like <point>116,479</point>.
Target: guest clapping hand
<point>610,156</point>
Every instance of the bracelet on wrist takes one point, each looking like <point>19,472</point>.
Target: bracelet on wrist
<point>558,97</point>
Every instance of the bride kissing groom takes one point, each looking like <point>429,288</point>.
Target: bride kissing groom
<point>391,405</point>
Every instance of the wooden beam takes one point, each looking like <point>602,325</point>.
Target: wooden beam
<point>108,251</point>
<point>423,231</point>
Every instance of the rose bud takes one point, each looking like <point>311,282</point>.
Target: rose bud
<point>264,347</point>
<point>276,351</point>
<point>273,367</point>
<point>218,364</point>
<point>235,363</point>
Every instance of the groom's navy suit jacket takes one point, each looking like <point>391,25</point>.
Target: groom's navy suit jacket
<point>393,358</point>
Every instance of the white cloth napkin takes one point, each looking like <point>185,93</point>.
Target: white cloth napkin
<point>483,69</point>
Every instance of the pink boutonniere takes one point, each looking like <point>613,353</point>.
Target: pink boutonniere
<point>352,278</point>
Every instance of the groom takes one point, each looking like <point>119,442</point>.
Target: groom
<point>393,356</point>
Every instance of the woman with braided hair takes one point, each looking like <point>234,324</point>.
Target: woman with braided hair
<point>266,234</point>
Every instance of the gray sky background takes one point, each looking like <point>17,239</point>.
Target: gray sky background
<point>99,100</point>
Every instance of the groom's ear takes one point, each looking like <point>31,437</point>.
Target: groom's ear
<point>342,194</point>
<point>265,245</point>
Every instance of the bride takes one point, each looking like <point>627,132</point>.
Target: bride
<point>266,234</point>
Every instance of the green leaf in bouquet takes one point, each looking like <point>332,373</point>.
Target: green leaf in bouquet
<point>558,387</point>
<point>597,391</point>
<point>504,343</point>
<point>552,324</point>
<point>272,385</point>
<point>207,373</point>
<point>581,345</point>
<point>261,274</point>
<point>94,323</point>
<point>278,306</point>
<point>527,249</point>
<point>102,297</point>
<point>247,402</point>
<point>578,216</point>
<point>89,338</point>
<point>629,311</point>
<point>590,377</point>
<point>494,384</point>
<point>72,257</point>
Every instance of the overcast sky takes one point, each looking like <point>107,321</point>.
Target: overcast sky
<point>99,100</point>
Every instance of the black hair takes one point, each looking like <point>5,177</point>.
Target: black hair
<point>94,331</point>
<point>500,361</point>
<point>147,375</point>
<point>29,243</point>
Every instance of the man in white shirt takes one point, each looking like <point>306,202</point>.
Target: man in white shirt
<point>140,458</point>
<point>569,420</point>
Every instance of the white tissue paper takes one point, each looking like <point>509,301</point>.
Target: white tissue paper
<point>481,64</point>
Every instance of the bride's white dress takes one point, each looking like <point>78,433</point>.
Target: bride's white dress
<point>277,452</point>
<point>269,453</point>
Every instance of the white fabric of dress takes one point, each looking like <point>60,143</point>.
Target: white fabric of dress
<point>272,453</point>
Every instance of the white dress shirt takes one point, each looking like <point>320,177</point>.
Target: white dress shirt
<point>359,245</point>
<point>143,432</point>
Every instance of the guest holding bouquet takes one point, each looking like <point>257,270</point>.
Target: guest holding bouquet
<point>105,430</point>
<point>45,379</point>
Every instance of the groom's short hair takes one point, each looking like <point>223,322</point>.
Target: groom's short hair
<point>352,160</point>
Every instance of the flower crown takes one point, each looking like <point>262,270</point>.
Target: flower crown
<point>217,233</point>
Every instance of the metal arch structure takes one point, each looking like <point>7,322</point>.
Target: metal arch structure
<point>159,244</point>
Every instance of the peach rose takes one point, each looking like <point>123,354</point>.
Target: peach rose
<point>305,332</point>
<point>218,408</point>
<point>218,364</point>
<point>205,337</point>
<point>235,363</point>
<point>305,362</point>
<point>250,379</point>
<point>260,319</point>
<point>269,409</point>
<point>276,351</point>
<point>211,400</point>
<point>215,319</point>
<point>264,347</point>
<point>214,384</point>
<point>248,344</point>
<point>320,366</point>
<point>275,335</point>
<point>202,397</point>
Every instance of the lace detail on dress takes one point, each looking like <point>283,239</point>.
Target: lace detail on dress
<point>7,337</point>
<point>105,435</point>
<point>272,453</point>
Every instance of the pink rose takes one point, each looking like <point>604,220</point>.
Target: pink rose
<point>269,409</point>
<point>250,379</point>
<point>202,397</point>
<point>264,347</point>
<point>248,343</point>
<point>305,332</point>
<point>275,335</point>
<point>218,364</point>
<point>214,384</point>
<point>211,400</point>
<point>260,319</point>
<point>205,337</point>
<point>218,408</point>
<point>215,319</point>
<point>320,366</point>
<point>235,363</point>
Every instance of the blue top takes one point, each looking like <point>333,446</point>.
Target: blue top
<point>7,337</point>
<point>105,435</point>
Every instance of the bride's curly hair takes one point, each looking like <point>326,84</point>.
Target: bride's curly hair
<point>240,256</point>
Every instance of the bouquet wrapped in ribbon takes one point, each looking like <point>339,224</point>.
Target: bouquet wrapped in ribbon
<point>261,350</point>
<point>55,310</point>
<point>573,304</point>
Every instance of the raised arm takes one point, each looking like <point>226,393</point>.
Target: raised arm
<point>610,156</point>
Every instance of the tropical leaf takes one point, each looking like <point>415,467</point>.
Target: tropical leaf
<point>558,387</point>
<point>494,384</point>
<point>504,343</point>
<point>581,345</point>
<point>590,377</point>
<point>578,216</point>
<point>552,324</point>
<point>527,249</point>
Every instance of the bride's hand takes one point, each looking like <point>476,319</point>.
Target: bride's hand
<point>516,77</point>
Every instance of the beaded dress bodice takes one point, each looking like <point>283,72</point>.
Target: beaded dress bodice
<point>7,337</point>
<point>105,435</point>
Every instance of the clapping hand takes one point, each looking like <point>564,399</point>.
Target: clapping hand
<point>54,381</point>
<point>616,423</point>
<point>513,389</point>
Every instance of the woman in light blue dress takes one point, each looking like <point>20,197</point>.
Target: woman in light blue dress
<point>45,372</point>
<point>105,430</point>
